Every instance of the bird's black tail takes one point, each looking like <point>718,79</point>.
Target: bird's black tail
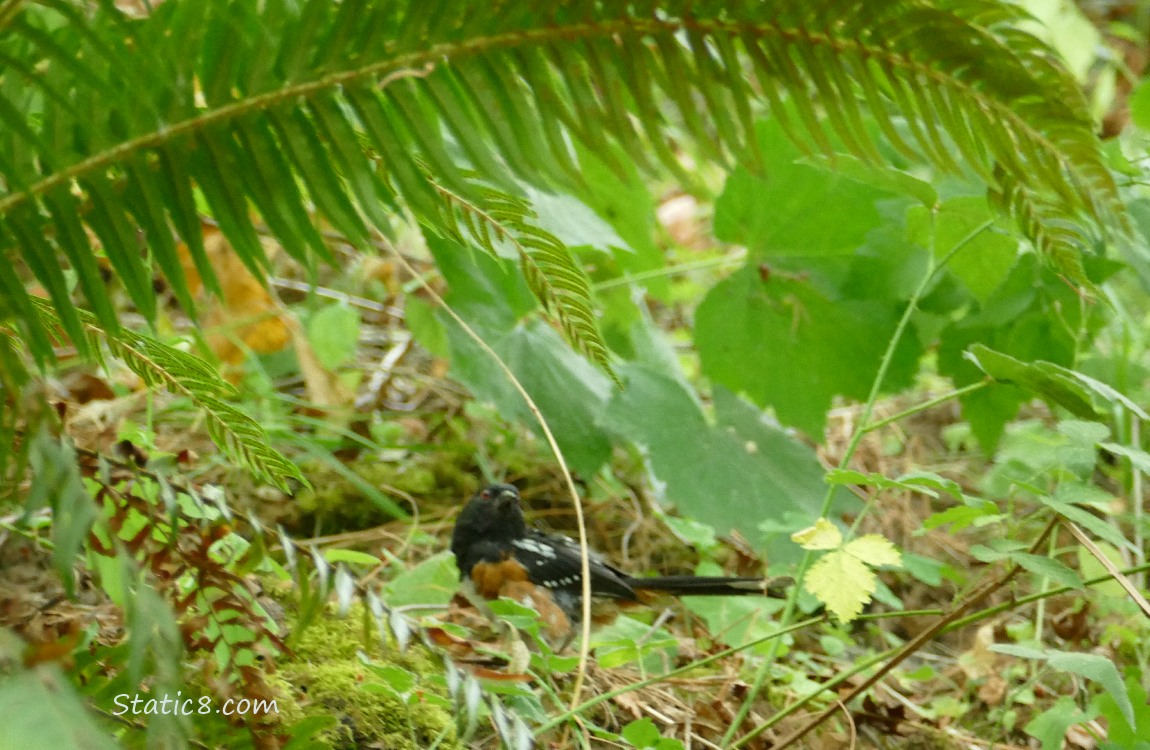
<point>713,585</point>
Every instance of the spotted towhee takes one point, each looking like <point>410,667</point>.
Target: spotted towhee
<point>498,554</point>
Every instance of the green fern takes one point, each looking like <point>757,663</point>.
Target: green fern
<point>160,366</point>
<point>113,124</point>
<point>552,274</point>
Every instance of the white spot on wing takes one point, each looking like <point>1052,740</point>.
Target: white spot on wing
<point>538,548</point>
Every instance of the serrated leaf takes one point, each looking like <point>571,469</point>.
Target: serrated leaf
<point>875,550</point>
<point>823,535</point>
<point>842,582</point>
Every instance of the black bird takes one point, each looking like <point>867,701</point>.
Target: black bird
<point>498,555</point>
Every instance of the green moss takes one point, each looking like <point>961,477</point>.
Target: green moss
<point>339,503</point>
<point>326,668</point>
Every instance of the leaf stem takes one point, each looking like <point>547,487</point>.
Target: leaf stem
<point>655,273</point>
<point>925,405</point>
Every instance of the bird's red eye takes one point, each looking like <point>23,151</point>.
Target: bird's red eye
<point>486,494</point>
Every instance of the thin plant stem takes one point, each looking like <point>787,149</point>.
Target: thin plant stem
<point>698,265</point>
<point>925,405</point>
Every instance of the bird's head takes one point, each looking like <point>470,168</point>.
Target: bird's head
<point>493,514</point>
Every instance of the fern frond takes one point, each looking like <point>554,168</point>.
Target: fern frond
<point>551,272</point>
<point>240,437</point>
<point>324,111</point>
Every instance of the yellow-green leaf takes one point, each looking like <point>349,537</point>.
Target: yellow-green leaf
<point>823,535</point>
<point>843,583</point>
<point>874,550</point>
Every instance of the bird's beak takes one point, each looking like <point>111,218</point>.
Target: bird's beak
<point>507,498</point>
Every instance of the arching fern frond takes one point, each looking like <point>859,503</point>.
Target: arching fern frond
<point>117,126</point>
<point>240,437</point>
<point>497,219</point>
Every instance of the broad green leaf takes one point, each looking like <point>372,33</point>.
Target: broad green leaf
<point>1119,732</point>
<point>625,203</point>
<point>641,733</point>
<point>882,176</point>
<point>419,315</point>
<point>40,709</point>
<point>734,619</point>
<point>1048,567</point>
<point>569,391</point>
<point>571,394</point>
<point>783,342</point>
<point>573,222</point>
<point>985,259</point>
<point>784,214</point>
<point>1031,316</point>
<point>975,512</point>
<point>699,536</point>
<point>735,474</point>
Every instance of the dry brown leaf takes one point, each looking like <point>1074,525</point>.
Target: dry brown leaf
<point>993,690</point>
<point>247,317</point>
<point>979,661</point>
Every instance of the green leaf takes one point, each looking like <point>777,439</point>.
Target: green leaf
<point>975,512</point>
<point>333,333</point>
<point>842,582</point>
<point>746,322</point>
<point>573,222</point>
<point>1030,316</point>
<point>1140,460</point>
<point>1066,502</point>
<point>56,482</point>
<point>883,177</point>
<point>433,581</point>
<point>351,557</point>
<point>1077,393</point>
<point>570,393</point>
<point>984,259</point>
<point>783,214</point>
<point>732,475</point>
<point>1119,732</point>
<point>1093,667</point>
<point>925,482</point>
<point>1050,726</point>
<point>641,733</point>
<point>40,708</point>
<point>1048,567</point>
